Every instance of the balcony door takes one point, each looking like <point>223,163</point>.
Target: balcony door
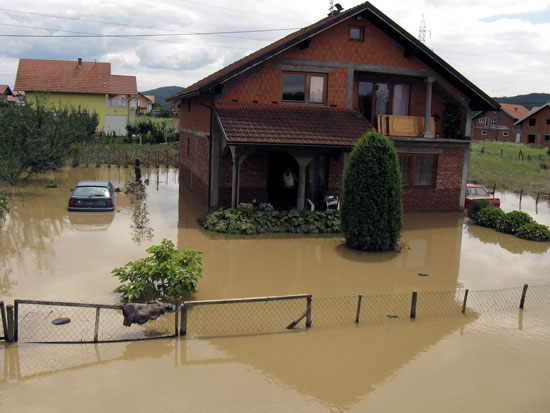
<point>382,98</point>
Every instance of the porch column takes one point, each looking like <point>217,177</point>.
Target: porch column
<point>303,162</point>
<point>235,179</point>
<point>468,125</point>
<point>427,133</point>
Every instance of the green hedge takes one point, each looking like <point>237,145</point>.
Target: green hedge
<point>259,221</point>
<point>534,232</point>
<point>489,217</point>
<point>512,221</point>
<point>476,206</point>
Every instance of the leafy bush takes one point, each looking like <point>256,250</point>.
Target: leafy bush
<point>512,221</point>
<point>372,210</point>
<point>167,274</point>
<point>489,217</point>
<point>258,221</point>
<point>534,232</point>
<point>4,209</point>
<point>476,206</point>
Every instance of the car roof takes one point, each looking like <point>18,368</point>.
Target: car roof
<point>93,183</point>
<point>473,186</point>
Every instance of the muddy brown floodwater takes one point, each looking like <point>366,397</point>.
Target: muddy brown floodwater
<point>495,362</point>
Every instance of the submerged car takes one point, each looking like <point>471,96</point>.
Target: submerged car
<point>97,196</point>
<point>477,192</point>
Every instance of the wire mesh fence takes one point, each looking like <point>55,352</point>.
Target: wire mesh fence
<point>244,316</point>
<point>55,322</point>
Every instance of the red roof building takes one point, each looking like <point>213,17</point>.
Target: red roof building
<point>88,85</point>
<point>535,126</point>
<point>304,101</point>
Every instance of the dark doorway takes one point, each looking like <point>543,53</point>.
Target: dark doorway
<point>318,179</point>
<point>276,194</point>
<point>531,138</point>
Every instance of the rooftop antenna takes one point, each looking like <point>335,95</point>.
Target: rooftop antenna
<point>331,6</point>
<point>423,30</point>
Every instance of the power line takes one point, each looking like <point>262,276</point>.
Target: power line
<point>148,35</point>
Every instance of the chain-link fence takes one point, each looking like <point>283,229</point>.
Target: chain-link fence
<point>54,322</point>
<point>245,316</point>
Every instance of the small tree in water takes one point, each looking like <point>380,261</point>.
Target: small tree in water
<point>168,274</point>
<point>372,207</point>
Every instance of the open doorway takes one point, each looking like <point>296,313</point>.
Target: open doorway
<point>276,193</point>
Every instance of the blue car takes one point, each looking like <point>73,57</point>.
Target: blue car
<point>95,196</point>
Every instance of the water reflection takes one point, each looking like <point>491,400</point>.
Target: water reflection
<point>509,242</point>
<point>90,221</point>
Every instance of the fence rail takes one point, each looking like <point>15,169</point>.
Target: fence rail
<point>31,320</point>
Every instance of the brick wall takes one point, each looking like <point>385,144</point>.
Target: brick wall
<point>541,129</point>
<point>504,124</point>
<point>445,196</point>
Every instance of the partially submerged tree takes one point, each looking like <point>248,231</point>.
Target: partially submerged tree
<point>4,208</point>
<point>372,209</point>
<point>37,138</point>
<point>167,275</point>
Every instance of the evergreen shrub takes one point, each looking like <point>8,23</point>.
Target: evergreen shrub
<point>476,206</point>
<point>372,209</point>
<point>489,217</point>
<point>534,232</point>
<point>512,221</point>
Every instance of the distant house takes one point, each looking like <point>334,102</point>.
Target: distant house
<point>144,103</point>
<point>86,85</point>
<point>304,101</point>
<point>6,95</point>
<point>535,126</point>
<point>499,125</point>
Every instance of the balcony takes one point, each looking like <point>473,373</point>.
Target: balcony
<point>405,126</point>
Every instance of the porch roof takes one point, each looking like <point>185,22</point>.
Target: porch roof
<point>290,125</point>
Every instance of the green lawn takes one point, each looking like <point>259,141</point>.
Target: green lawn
<point>510,166</point>
<point>143,119</point>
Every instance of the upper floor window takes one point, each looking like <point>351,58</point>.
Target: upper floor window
<point>480,120</point>
<point>304,87</point>
<point>532,122</point>
<point>493,122</point>
<point>548,121</point>
<point>356,34</point>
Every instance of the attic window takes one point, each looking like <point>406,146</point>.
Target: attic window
<point>356,34</point>
<point>532,122</point>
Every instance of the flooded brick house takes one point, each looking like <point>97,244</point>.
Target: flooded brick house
<point>305,100</point>
<point>499,125</point>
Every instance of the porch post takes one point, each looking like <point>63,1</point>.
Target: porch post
<point>468,125</point>
<point>235,179</point>
<point>429,82</point>
<point>303,162</point>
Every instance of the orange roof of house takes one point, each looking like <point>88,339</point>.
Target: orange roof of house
<point>150,97</point>
<point>5,89</point>
<point>515,111</point>
<point>72,77</point>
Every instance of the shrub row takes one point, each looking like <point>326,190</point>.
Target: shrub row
<point>259,221</point>
<point>515,223</point>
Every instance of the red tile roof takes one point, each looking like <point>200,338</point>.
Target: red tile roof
<point>5,89</point>
<point>533,111</point>
<point>480,100</point>
<point>515,111</point>
<point>71,77</point>
<point>290,124</point>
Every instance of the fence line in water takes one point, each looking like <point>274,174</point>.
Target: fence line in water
<point>31,320</point>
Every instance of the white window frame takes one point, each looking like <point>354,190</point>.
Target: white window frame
<point>483,132</point>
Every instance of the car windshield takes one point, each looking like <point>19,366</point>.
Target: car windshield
<point>478,191</point>
<point>91,191</point>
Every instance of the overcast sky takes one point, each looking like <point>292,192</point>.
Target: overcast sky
<point>502,46</point>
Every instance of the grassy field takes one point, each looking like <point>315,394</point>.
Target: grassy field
<point>510,166</point>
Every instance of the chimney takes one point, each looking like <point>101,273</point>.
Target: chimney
<point>79,65</point>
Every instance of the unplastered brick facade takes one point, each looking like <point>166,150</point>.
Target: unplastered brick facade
<point>227,157</point>
<point>535,129</point>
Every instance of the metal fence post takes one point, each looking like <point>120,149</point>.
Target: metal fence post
<point>176,321</point>
<point>413,304</point>
<point>465,300</point>
<point>16,321</point>
<point>523,293</point>
<point>9,335</point>
<point>183,327</point>
<point>96,330</point>
<point>359,298</point>
<point>308,312</point>
<point>4,320</point>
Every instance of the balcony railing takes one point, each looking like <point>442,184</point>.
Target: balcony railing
<point>408,126</point>
<point>115,103</point>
